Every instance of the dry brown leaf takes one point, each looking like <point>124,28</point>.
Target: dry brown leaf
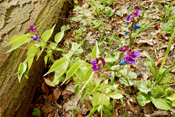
<point>159,60</point>
<point>145,77</point>
<point>148,108</point>
<point>47,108</point>
<point>132,68</point>
<point>119,106</point>
<point>79,115</point>
<point>66,92</point>
<point>44,88</point>
<point>67,115</point>
<point>48,82</point>
<point>89,105</point>
<point>160,113</point>
<point>115,113</point>
<point>57,92</point>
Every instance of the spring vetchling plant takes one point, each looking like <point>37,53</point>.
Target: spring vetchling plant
<point>102,89</point>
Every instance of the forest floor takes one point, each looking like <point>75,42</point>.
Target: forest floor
<point>108,28</point>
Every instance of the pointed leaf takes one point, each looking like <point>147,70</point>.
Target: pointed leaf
<point>22,68</point>
<point>19,43</point>
<point>59,36</point>
<point>143,99</point>
<point>14,39</point>
<point>57,65</point>
<point>115,95</point>
<point>95,52</point>
<point>59,72</point>
<point>72,70</point>
<point>47,34</point>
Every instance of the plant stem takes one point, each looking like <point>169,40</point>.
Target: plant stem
<point>102,97</point>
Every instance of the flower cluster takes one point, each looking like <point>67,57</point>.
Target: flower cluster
<point>96,65</point>
<point>129,18</point>
<point>130,56</point>
<point>33,29</point>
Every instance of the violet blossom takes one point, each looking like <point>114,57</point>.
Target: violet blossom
<point>96,65</point>
<point>136,12</point>
<point>129,56</point>
<point>33,29</point>
<point>124,49</point>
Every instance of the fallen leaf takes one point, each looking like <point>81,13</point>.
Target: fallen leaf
<point>159,60</point>
<point>57,92</point>
<point>66,92</point>
<point>89,105</point>
<point>79,115</point>
<point>44,88</point>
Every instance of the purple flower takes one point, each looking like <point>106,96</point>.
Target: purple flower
<point>130,56</point>
<point>128,19</point>
<point>123,62</point>
<point>136,12</point>
<point>33,28</point>
<point>124,49</point>
<point>136,27</point>
<point>95,64</point>
<point>35,38</point>
<point>102,60</point>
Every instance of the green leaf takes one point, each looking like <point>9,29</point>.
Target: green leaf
<point>88,77</point>
<point>125,115</point>
<point>162,104</point>
<point>57,65</point>
<point>72,70</point>
<point>95,52</point>
<point>157,91</point>
<point>143,99</point>
<point>59,72</point>
<point>19,43</point>
<point>14,39</point>
<point>47,34</point>
<point>143,87</point>
<point>96,100</point>
<point>152,62</point>
<point>29,62</point>
<point>21,70</point>
<point>53,45</point>
<point>107,110</point>
<point>59,36</point>
<point>172,98</point>
<point>77,89</point>
<point>168,79</point>
<point>85,92</point>
<point>115,95</point>
<point>169,46</point>
<point>93,110</point>
<point>75,46</point>
<point>79,73</point>
<point>36,112</point>
<point>124,81</point>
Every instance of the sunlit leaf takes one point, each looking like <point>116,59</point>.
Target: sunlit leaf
<point>57,65</point>
<point>59,36</point>
<point>22,68</point>
<point>162,104</point>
